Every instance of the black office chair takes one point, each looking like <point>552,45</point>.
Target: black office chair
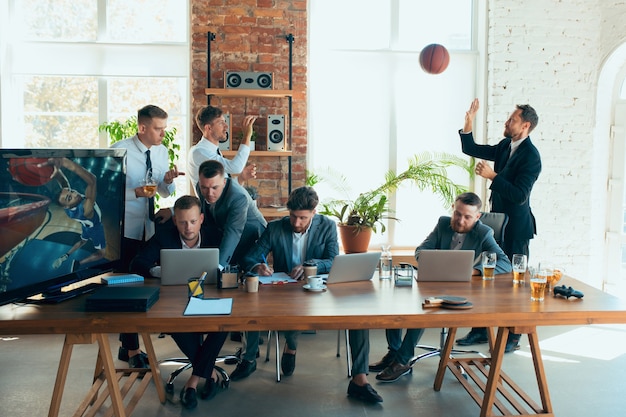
<point>498,222</point>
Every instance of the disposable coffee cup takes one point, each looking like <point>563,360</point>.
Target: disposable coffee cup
<point>252,283</point>
<point>309,270</point>
<point>315,282</point>
<point>195,288</point>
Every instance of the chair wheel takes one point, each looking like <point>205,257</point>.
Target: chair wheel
<point>169,388</point>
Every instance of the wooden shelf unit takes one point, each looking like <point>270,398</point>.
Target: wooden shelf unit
<point>246,93</point>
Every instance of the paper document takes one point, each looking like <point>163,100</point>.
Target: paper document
<point>275,278</point>
<point>208,306</point>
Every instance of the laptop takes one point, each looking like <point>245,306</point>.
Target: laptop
<point>445,265</point>
<point>178,265</point>
<point>353,267</point>
<point>122,298</point>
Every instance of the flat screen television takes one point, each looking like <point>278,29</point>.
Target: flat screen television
<point>61,218</point>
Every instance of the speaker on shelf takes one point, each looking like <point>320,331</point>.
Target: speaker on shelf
<point>248,80</point>
<point>225,144</point>
<point>276,132</point>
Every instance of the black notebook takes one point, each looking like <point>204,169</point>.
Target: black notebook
<point>122,298</point>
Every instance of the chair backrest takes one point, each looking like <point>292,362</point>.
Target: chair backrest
<point>498,222</point>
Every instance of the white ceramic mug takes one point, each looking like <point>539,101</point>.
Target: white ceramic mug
<point>315,282</point>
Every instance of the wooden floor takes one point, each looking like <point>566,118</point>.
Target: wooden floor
<point>583,365</point>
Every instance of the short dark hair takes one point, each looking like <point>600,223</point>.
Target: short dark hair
<point>211,168</point>
<point>470,199</point>
<point>149,112</point>
<point>186,202</point>
<point>206,115</point>
<point>303,198</point>
<point>529,115</point>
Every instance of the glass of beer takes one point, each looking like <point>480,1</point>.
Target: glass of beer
<point>489,265</point>
<point>538,284</point>
<point>149,183</point>
<point>520,263</point>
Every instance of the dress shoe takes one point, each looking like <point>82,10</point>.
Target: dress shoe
<point>288,363</point>
<point>188,398</point>
<point>393,372</point>
<point>383,363</point>
<point>139,361</point>
<point>243,370</point>
<point>512,343</point>
<point>122,354</point>
<point>474,337</point>
<point>364,393</point>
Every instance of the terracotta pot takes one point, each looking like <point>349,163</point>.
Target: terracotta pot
<point>353,240</point>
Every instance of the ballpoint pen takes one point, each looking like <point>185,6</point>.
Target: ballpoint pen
<point>199,284</point>
<point>264,258</point>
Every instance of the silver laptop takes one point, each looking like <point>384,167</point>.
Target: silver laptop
<point>353,267</point>
<point>178,265</point>
<point>445,265</point>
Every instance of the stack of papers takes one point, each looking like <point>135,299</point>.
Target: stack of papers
<point>275,278</point>
<point>208,306</point>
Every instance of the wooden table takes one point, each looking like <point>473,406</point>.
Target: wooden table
<point>365,305</point>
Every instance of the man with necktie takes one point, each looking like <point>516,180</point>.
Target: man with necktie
<point>517,165</point>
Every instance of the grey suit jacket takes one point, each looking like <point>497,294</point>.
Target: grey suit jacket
<point>479,239</point>
<point>322,246</point>
<point>238,218</point>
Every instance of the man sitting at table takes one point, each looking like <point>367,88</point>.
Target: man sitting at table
<point>185,233</point>
<point>302,236</point>
<point>463,230</point>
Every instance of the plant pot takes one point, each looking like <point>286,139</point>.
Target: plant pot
<point>353,240</point>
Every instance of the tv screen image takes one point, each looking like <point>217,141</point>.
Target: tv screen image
<point>61,217</point>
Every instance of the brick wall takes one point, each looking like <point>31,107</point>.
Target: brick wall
<point>251,36</point>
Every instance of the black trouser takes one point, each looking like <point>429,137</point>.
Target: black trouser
<point>201,351</point>
<point>130,248</point>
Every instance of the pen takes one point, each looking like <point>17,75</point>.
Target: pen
<point>264,258</point>
<point>200,282</point>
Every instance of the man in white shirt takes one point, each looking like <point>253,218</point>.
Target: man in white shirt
<point>145,156</point>
<point>214,128</point>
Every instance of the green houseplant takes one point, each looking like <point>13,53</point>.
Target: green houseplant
<point>366,212</point>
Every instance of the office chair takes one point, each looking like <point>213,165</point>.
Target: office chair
<point>497,222</point>
<point>275,333</point>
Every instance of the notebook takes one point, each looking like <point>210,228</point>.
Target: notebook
<point>178,265</point>
<point>353,267</point>
<point>445,265</point>
<point>122,298</point>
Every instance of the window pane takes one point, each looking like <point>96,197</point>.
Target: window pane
<point>159,20</point>
<point>60,112</point>
<point>448,22</point>
<point>75,20</point>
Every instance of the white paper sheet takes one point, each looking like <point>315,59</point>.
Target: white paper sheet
<point>208,306</point>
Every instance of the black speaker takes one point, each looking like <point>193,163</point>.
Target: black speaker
<point>225,144</point>
<point>276,132</point>
<point>248,80</point>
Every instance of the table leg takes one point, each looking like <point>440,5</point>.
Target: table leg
<point>59,384</point>
<point>154,367</point>
<point>540,373</point>
<point>444,358</point>
<point>117,403</point>
<point>494,372</point>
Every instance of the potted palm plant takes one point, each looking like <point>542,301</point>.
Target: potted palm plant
<point>358,217</point>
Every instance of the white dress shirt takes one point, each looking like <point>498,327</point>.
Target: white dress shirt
<point>205,150</point>
<point>137,225</point>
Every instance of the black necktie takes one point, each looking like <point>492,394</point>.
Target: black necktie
<point>149,174</point>
<point>218,152</point>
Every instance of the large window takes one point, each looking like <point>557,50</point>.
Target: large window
<point>70,65</point>
<point>371,105</point>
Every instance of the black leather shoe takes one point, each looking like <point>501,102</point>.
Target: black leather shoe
<point>393,372</point>
<point>383,363</point>
<point>364,393</point>
<point>243,370</point>
<point>474,337</point>
<point>139,361</point>
<point>288,363</point>
<point>122,354</point>
<point>188,398</point>
<point>512,343</point>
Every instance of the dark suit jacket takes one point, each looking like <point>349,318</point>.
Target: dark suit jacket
<point>479,239</point>
<point>322,246</point>
<point>510,189</point>
<point>237,218</point>
<point>166,238</point>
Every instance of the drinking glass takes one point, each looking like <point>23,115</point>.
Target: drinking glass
<point>489,265</point>
<point>538,284</point>
<point>520,263</point>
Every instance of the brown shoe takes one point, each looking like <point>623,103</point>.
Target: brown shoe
<point>393,372</point>
<point>383,363</point>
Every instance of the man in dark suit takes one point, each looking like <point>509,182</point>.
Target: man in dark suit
<point>201,350</point>
<point>314,238</point>
<point>229,206</point>
<point>517,165</point>
<point>463,230</point>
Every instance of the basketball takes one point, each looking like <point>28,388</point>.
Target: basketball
<point>31,171</point>
<point>434,58</point>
